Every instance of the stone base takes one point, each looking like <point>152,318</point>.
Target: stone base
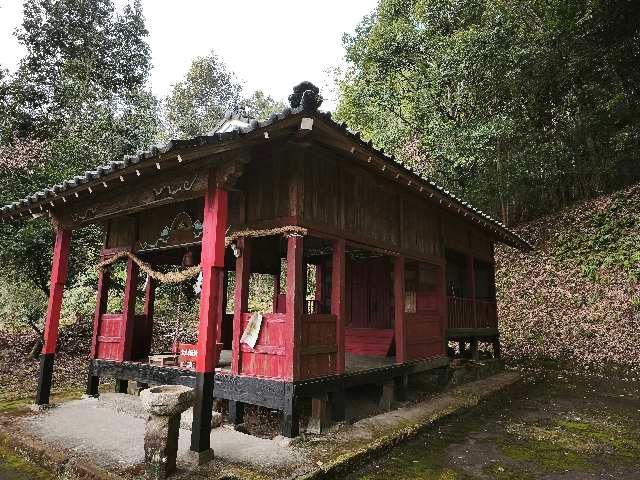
<point>199,458</point>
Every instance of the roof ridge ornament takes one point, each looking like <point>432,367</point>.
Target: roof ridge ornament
<point>307,96</point>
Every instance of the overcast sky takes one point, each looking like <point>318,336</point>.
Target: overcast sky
<point>271,45</point>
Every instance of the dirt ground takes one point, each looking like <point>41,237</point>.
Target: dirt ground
<point>548,427</point>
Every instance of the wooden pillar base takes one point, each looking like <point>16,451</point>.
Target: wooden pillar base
<point>320,415</point>
<point>338,405</point>
<point>202,412</point>
<point>290,414</point>
<point>386,399</point>
<point>496,347</point>
<point>475,354</point>
<point>93,382</point>
<point>236,412</point>
<point>122,386</point>
<point>402,384</point>
<point>45,378</point>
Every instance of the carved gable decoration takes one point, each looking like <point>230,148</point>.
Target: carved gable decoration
<point>171,225</point>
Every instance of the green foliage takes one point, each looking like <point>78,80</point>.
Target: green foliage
<point>609,239</point>
<point>196,104</point>
<point>77,100</point>
<point>519,107</point>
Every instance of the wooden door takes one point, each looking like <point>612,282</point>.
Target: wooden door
<point>369,291</point>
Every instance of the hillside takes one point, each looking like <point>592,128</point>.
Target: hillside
<point>574,302</point>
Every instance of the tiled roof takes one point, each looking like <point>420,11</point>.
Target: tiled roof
<point>234,127</point>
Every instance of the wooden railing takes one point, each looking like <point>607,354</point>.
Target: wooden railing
<point>462,315</point>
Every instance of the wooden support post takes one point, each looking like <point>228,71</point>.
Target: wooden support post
<point>462,346</point>
<point>236,412</point>
<point>101,308</point>
<point>276,291</point>
<point>295,299</point>
<point>402,385</point>
<point>475,354</point>
<point>59,271</point>
<point>149,301</point>
<point>212,264</point>
<point>241,301</point>
<point>338,301</point>
<point>444,307</point>
<point>129,310</point>
<point>399,317</point>
<point>386,399</point>
<point>496,346</point>
<point>472,289</point>
<point>338,405</point>
<point>290,415</point>
<point>320,415</point>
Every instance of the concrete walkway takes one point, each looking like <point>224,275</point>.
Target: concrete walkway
<point>115,440</point>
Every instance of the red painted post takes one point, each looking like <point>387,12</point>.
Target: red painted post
<point>59,271</point>
<point>276,290</point>
<point>338,263</point>
<point>444,306</point>
<point>149,300</point>
<point>241,301</point>
<point>399,318</point>
<point>295,299</point>
<point>101,307</point>
<point>472,288</point>
<point>129,310</point>
<point>318,295</point>
<point>212,264</point>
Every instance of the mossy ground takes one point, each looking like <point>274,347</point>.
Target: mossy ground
<point>14,467</point>
<point>542,427</point>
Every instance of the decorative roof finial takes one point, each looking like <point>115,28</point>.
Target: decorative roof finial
<point>307,95</point>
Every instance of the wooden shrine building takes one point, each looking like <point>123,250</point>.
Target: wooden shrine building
<point>401,266</point>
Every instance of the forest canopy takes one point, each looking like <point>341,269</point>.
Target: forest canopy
<point>519,107</point>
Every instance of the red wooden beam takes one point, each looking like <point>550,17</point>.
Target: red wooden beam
<point>399,318</point>
<point>241,300</point>
<point>101,307</point>
<point>59,270</point>
<point>471,270</point>
<point>129,311</point>
<point>338,298</point>
<point>276,289</point>
<point>295,299</point>
<point>212,263</point>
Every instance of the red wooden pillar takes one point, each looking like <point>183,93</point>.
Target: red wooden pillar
<point>149,300</point>
<point>338,262</point>
<point>241,301</point>
<point>59,272</point>
<point>276,290</point>
<point>129,310</point>
<point>399,318</point>
<point>212,264</point>
<point>101,308</point>
<point>471,269</point>
<point>295,299</point>
<point>292,335</point>
<point>444,306</point>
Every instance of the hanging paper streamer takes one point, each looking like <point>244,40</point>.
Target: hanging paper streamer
<point>251,333</point>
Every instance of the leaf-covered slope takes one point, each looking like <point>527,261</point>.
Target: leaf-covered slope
<point>574,302</point>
